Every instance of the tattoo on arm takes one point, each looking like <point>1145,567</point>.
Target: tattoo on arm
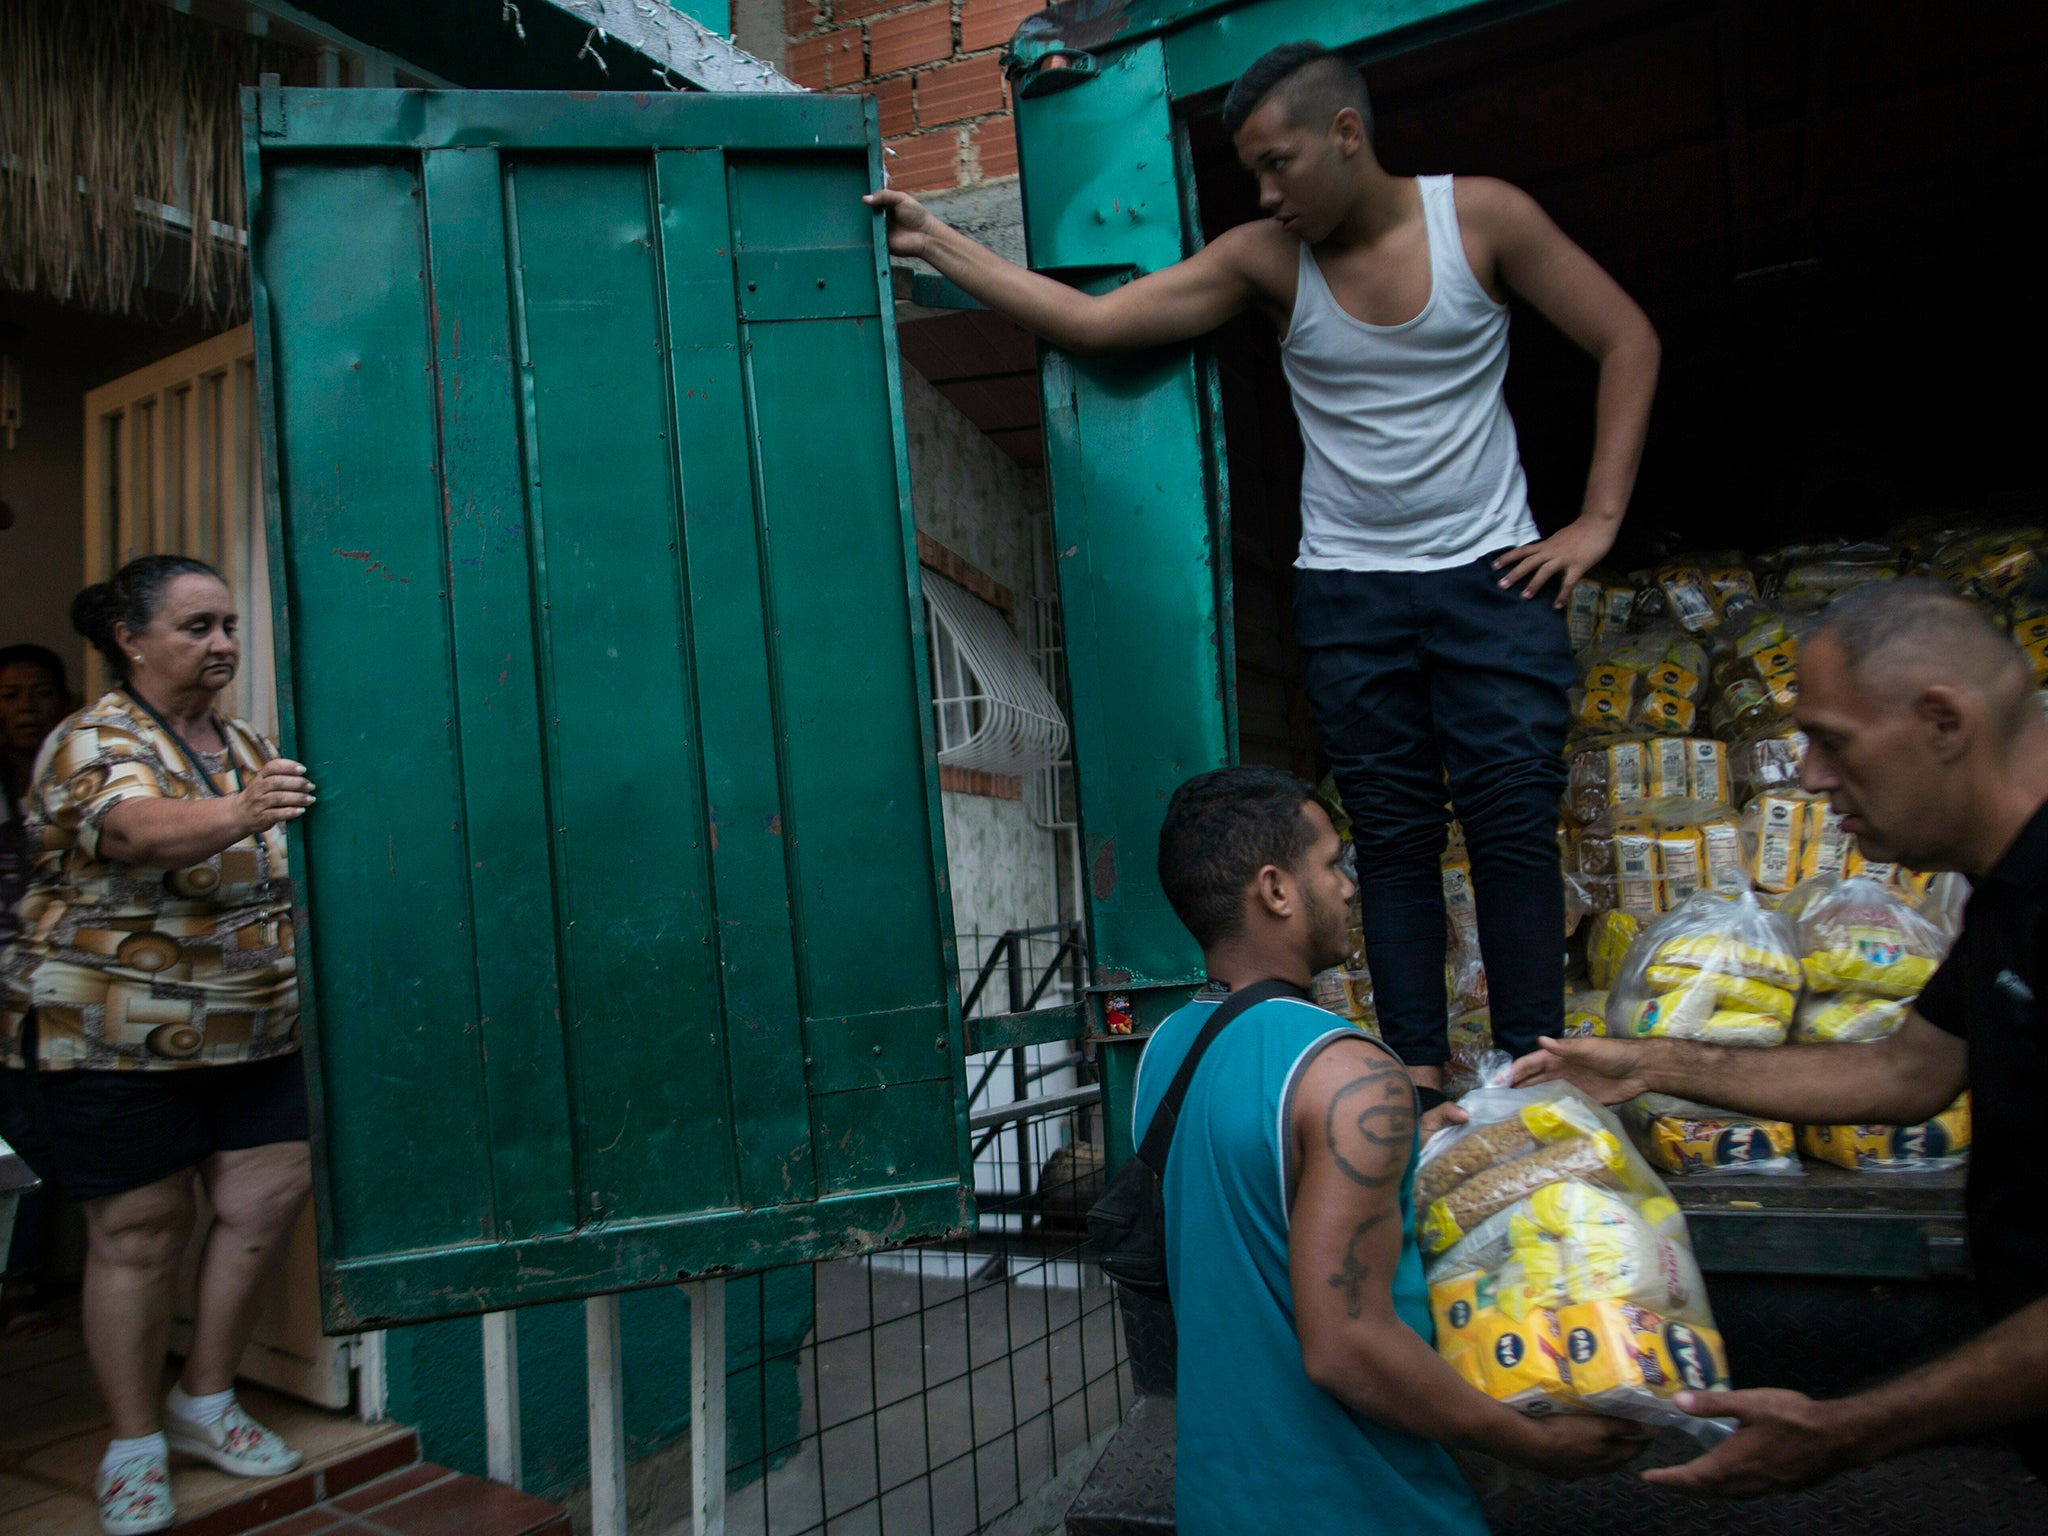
<point>1373,1113</point>
<point>1352,1277</point>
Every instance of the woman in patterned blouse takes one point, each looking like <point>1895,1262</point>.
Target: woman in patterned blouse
<point>150,1004</point>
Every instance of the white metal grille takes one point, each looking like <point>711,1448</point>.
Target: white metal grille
<point>994,712</point>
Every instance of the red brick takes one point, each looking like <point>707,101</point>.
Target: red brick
<point>267,1504</point>
<point>918,36</point>
<point>927,163</point>
<point>971,88</point>
<point>799,17</point>
<point>318,1521</point>
<point>832,58</point>
<point>353,1471</point>
<point>991,23</point>
<point>894,99</point>
<point>385,1489</point>
<point>468,1506</point>
<point>992,148</point>
<point>855,10</point>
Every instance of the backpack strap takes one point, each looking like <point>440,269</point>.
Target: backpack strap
<point>1159,1134</point>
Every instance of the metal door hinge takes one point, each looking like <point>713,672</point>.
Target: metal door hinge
<point>1038,67</point>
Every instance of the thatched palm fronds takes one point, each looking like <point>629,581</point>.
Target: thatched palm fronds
<point>110,111</point>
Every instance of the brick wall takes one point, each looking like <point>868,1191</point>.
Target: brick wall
<point>932,65</point>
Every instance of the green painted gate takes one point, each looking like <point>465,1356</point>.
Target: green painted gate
<point>624,945</point>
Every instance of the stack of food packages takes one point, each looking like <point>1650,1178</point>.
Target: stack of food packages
<point>1561,1276</point>
<point>1866,955</point>
<point>1684,757</point>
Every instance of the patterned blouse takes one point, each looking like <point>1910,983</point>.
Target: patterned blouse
<point>129,967</point>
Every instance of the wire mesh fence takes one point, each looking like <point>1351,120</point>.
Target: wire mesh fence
<point>942,1385</point>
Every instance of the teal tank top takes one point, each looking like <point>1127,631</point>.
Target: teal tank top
<point>1260,1446</point>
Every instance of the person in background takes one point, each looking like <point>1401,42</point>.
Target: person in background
<point>149,1019</point>
<point>34,696</point>
<point>1425,654</point>
<point>1310,1396</point>
<point>1925,734</point>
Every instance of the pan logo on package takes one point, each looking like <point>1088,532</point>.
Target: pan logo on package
<point>1508,1349</point>
<point>1690,1356</point>
<point>1582,1345</point>
<point>1461,1314</point>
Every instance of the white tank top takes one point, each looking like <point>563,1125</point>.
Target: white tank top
<point>1409,459</point>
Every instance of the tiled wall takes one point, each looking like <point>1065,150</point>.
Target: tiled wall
<point>934,69</point>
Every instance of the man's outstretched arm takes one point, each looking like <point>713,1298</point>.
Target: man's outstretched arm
<point>1904,1079</point>
<point>1789,1441</point>
<point>1187,299</point>
<point>1354,1128</point>
<point>1539,261</point>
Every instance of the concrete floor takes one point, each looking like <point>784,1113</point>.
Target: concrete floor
<point>931,1407</point>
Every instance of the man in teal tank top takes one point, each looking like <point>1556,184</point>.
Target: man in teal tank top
<point>1311,1396</point>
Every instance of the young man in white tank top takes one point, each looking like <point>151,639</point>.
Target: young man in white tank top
<point>1427,605</point>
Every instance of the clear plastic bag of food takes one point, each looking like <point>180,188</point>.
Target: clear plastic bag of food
<point>1585,1013</point>
<point>1719,968</point>
<point>1608,938</point>
<point>1930,1147</point>
<point>1857,936</point>
<point>1682,1138</point>
<point>1790,836</point>
<point>1766,761</point>
<point>1470,1033</point>
<point>1562,1278</point>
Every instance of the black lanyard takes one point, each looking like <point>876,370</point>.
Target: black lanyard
<point>184,746</point>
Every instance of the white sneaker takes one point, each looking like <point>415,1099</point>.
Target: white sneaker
<point>234,1442</point>
<point>135,1495</point>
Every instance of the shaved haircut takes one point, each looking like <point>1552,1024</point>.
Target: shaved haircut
<point>1892,629</point>
<point>1311,82</point>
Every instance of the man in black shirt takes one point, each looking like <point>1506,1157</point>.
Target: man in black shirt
<point>1925,734</point>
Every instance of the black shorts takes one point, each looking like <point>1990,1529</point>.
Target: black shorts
<point>94,1134</point>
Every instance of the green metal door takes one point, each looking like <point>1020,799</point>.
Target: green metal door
<point>624,950</point>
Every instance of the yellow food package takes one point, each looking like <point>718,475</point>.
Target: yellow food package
<point>1454,1303</point>
<point>1728,580</point>
<point>1692,599</point>
<point>1604,708</point>
<point>1872,961</point>
<point>2027,632</point>
<point>1583,612</point>
<point>1618,1351</point>
<point>1667,767</point>
<point>1775,840</point>
<point>1683,1138</point>
<point>1943,1142</point>
<point>1638,882</point>
<point>1616,605</point>
<point>1696,1013</point>
<point>1718,952</point>
<point>1608,678</point>
<point>1523,1360</point>
<point>1707,770</point>
<point>1721,845</point>
<point>1781,660</point>
<point>1607,942</point>
<point>1585,1013</point>
<point>2037,656</point>
<point>1666,713</point>
<point>1573,1243</point>
<point>1829,1018</point>
<point>1669,677</point>
<point>1681,862</point>
<point>1734,990</point>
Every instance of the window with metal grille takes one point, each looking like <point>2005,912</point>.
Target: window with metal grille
<point>993,710</point>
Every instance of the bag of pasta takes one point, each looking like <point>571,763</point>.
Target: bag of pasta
<point>1561,1275</point>
<point>1613,771</point>
<point>1720,968</point>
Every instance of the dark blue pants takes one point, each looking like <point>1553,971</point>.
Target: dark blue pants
<point>1412,676</point>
